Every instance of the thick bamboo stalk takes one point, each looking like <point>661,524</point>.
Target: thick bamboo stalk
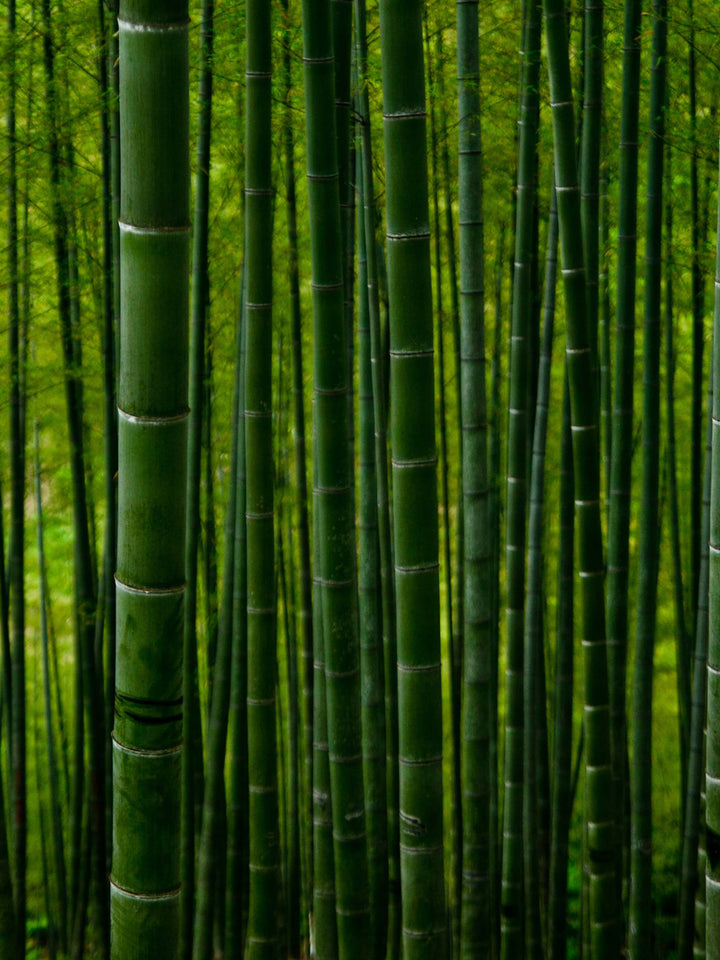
<point>476,584</point>
<point>333,489</point>
<point>153,412</point>
<point>414,464</point>
<point>586,452</point>
<point>263,937</point>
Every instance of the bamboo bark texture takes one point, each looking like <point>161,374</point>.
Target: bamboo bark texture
<point>586,449</point>
<point>263,929</point>
<point>153,413</point>
<point>414,465</point>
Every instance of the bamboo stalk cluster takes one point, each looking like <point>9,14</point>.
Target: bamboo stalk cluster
<point>363,737</point>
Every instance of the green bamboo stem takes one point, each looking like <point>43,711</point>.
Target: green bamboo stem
<point>590,160</point>
<point>534,654</point>
<point>690,877</point>
<point>323,878</point>
<point>600,809</point>
<point>641,913</point>
<point>517,448</point>
<point>562,700</point>
<point>16,565</point>
<point>333,487</point>
<point>263,936</point>
<point>454,668</point>
<point>476,583</point>
<point>387,585</point>
<point>414,482</point>
<point>303,529</point>
<point>110,412</point>
<point>57,842</point>
<point>494,511</point>
<point>198,336</point>
<point>622,418</point>
<point>369,609</point>
<point>698,309</point>
<point>683,663</point>
<point>712,767</point>
<point>153,414</point>
<point>236,912</point>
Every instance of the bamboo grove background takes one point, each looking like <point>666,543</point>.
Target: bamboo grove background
<point>447,599</point>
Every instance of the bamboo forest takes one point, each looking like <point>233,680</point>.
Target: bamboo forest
<point>359,480</point>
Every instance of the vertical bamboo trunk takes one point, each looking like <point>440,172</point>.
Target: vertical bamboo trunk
<point>447,573</point>
<point>517,447</point>
<point>387,585</point>
<point>57,842</point>
<point>414,482</point>
<point>603,915</point>
<point>622,419</point>
<point>475,932</point>
<point>534,653</point>
<point>691,880</point>
<point>199,309</point>
<point>237,800</point>
<point>152,401</point>
<point>263,933</point>
<point>16,561</point>
<point>562,701</point>
<point>110,412</point>
<point>301,491</point>
<point>334,491</point>
<point>641,913</point>
<point>712,762</point>
<point>370,610</point>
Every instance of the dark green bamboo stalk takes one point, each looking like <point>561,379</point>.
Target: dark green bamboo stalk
<point>475,932</point>
<point>712,766</point>
<point>586,452</point>
<point>517,447</point>
<point>303,530</point>
<point>683,661</point>
<point>494,512</point>
<point>690,877</point>
<point>369,604</point>
<point>447,573</point>
<point>562,700</point>
<point>698,309</point>
<point>199,310</point>
<point>323,911</point>
<point>12,928</point>
<point>604,320</point>
<point>414,481</point>
<point>387,586</point>
<point>16,563</point>
<point>334,492</point>
<point>590,159</point>
<point>237,810</point>
<point>57,843</point>
<point>110,413</point>
<point>641,914</point>
<point>153,414</point>
<point>622,418</point>
<point>263,936</point>
<point>534,654</point>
